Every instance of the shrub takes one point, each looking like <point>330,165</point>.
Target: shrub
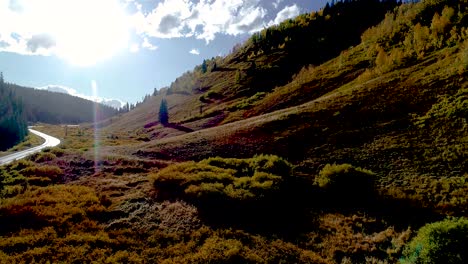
<point>58,205</point>
<point>340,176</point>
<point>45,156</point>
<point>56,151</point>
<point>227,179</point>
<point>440,242</point>
<point>345,181</point>
<point>20,164</point>
<point>226,246</point>
<point>46,171</point>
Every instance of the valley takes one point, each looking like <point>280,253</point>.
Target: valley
<point>293,148</point>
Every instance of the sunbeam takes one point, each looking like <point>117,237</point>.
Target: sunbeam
<point>96,127</point>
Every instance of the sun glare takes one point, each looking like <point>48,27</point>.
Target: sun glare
<point>85,31</point>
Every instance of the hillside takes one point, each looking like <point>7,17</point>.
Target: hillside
<point>221,89</point>
<point>277,153</point>
<point>372,93</point>
<point>59,108</point>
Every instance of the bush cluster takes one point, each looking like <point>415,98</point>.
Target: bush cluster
<point>57,205</point>
<point>44,173</point>
<point>252,179</point>
<point>440,242</point>
<point>346,181</point>
<point>17,176</point>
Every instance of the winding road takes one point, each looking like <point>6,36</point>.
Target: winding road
<point>49,142</point>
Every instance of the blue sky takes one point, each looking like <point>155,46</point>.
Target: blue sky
<point>127,47</point>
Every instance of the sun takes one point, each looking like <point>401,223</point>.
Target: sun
<point>85,31</point>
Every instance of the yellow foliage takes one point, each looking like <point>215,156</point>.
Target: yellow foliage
<point>235,179</point>
<point>381,59</point>
<point>52,205</point>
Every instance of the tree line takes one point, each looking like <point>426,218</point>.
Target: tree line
<point>59,108</point>
<point>13,122</point>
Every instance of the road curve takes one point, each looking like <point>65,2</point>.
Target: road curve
<point>49,142</point>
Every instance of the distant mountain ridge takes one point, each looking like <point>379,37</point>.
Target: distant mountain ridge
<point>66,90</point>
<point>57,107</point>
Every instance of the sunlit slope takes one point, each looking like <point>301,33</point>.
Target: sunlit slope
<point>222,89</point>
<point>388,107</point>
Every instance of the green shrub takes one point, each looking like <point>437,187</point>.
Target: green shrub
<point>11,182</point>
<point>57,205</point>
<point>346,184</point>
<point>230,179</point>
<point>249,102</point>
<point>46,171</point>
<point>344,176</point>
<point>20,164</point>
<point>440,242</point>
<point>45,156</point>
<point>56,151</point>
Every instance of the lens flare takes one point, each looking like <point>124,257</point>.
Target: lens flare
<point>97,144</point>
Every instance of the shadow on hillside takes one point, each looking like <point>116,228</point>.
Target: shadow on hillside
<point>178,127</point>
<point>171,125</point>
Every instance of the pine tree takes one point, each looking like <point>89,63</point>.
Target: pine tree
<point>163,113</point>
<point>13,125</point>
<point>204,67</point>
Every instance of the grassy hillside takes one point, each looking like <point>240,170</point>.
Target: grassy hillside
<point>222,88</point>
<point>359,158</point>
<point>396,104</point>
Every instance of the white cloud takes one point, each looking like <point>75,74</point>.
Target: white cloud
<point>194,52</point>
<point>35,28</point>
<point>116,103</point>
<point>277,3</point>
<point>201,19</point>
<point>148,45</point>
<point>40,41</point>
<point>286,13</point>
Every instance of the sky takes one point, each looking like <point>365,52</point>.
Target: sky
<point>123,49</point>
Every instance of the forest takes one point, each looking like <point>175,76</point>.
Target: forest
<point>58,108</point>
<point>13,121</point>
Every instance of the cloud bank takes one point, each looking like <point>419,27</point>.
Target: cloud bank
<point>86,28</point>
<point>202,19</point>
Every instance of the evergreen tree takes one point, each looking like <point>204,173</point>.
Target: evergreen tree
<point>13,125</point>
<point>163,113</point>
<point>204,67</point>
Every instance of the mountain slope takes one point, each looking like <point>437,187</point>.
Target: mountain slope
<point>222,88</point>
<point>378,105</point>
<point>59,108</point>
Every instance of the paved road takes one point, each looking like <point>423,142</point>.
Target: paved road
<point>49,142</point>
